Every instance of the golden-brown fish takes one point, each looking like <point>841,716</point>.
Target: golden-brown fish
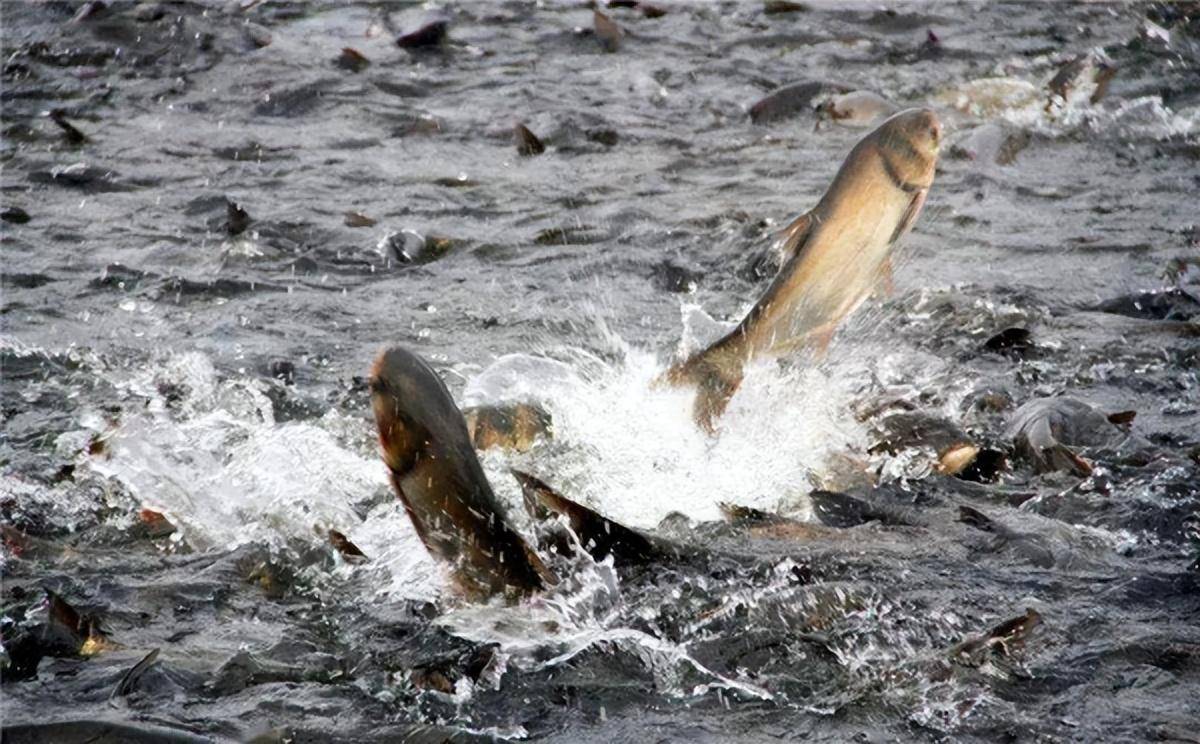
<point>833,258</point>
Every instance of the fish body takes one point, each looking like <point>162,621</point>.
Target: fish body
<point>434,470</point>
<point>834,257</point>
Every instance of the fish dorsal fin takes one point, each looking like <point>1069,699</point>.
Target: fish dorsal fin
<point>792,239</point>
<point>599,535</point>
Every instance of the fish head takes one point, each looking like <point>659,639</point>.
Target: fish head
<point>413,409</point>
<point>919,128</point>
<point>910,141</point>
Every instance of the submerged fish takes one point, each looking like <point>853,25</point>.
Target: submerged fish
<point>860,108</point>
<point>834,257</point>
<point>1047,432</point>
<point>512,427</point>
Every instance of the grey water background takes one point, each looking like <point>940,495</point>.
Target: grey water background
<point>654,181</point>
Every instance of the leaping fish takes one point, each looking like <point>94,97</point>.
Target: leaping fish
<point>833,258</point>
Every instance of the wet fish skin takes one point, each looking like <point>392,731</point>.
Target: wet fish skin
<point>859,108</point>
<point>434,470</point>
<point>598,534</point>
<point>511,427</point>
<point>835,256</point>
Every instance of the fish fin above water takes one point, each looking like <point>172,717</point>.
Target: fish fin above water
<point>910,216</point>
<point>1002,641</point>
<point>1050,454</point>
<point>793,238</point>
<point>1122,418</point>
<point>887,278</point>
<point>129,679</point>
<point>600,535</point>
<point>977,519</point>
<point>1062,457</point>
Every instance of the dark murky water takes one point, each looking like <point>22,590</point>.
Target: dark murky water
<point>162,352</point>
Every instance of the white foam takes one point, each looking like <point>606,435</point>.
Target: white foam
<point>208,453</point>
<point>216,464</point>
<point>632,451</point>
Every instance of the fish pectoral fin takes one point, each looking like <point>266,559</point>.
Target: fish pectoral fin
<point>887,278</point>
<point>792,239</point>
<point>910,214</point>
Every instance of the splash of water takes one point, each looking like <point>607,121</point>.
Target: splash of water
<point>208,454</point>
<point>630,449</point>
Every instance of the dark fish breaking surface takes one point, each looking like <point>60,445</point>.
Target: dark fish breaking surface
<point>215,215</point>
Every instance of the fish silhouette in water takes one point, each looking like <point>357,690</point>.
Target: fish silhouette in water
<point>834,257</point>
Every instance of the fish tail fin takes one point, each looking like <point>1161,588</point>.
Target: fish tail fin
<point>716,375</point>
<point>713,393</point>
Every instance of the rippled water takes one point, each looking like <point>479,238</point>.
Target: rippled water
<point>158,357</point>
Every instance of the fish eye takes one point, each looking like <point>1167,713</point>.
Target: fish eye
<point>376,385</point>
